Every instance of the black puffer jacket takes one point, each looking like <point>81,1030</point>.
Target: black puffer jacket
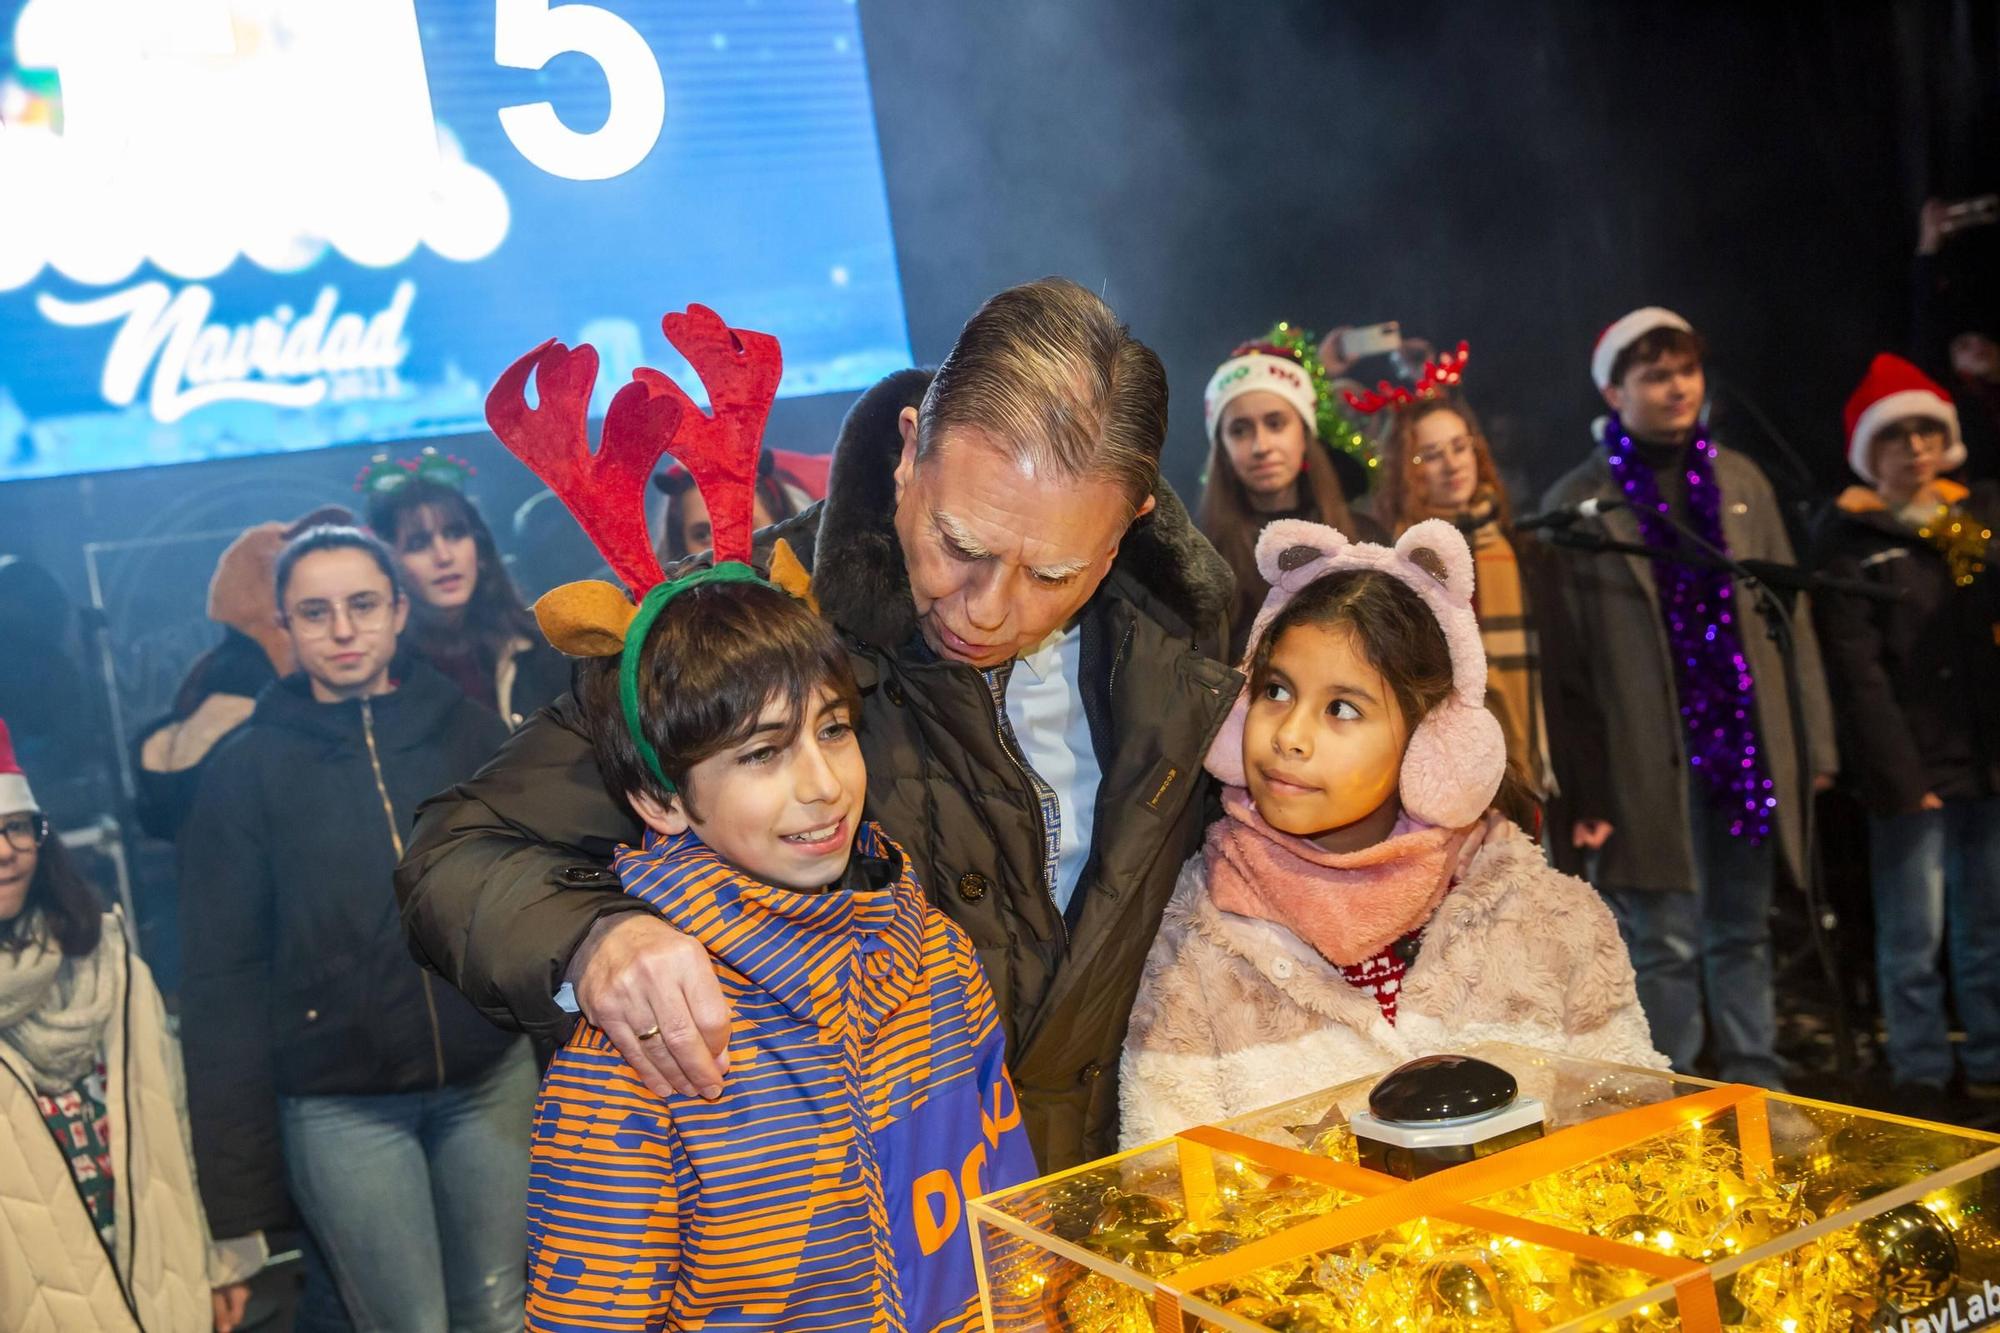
<point>1916,681</point>
<point>298,977</point>
<point>506,873</point>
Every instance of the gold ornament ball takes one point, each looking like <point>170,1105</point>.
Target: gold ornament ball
<point>1644,1230</point>
<point>1457,1296</point>
<point>1913,1254</point>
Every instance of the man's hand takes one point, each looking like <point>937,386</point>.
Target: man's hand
<point>653,992</point>
<point>1931,801</point>
<point>227,1305</point>
<point>1590,834</point>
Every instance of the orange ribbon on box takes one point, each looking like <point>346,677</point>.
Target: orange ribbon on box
<point>1387,1201</point>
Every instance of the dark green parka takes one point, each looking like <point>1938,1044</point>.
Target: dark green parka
<point>507,872</point>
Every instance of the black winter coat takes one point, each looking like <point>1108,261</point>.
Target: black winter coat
<point>507,874</point>
<point>1916,681</point>
<point>298,979</point>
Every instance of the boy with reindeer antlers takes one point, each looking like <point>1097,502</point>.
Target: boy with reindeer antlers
<point>866,1098</point>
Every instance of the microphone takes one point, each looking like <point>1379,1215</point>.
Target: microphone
<point>1569,515</point>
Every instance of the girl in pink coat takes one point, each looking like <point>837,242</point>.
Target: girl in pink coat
<point>1360,903</point>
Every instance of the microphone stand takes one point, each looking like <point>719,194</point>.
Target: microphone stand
<point>1765,577</point>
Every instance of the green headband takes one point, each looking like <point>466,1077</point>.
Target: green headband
<point>655,601</point>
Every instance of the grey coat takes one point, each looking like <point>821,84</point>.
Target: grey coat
<point>1622,660</point>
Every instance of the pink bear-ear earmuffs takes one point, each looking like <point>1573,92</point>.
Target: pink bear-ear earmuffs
<point>1457,755</point>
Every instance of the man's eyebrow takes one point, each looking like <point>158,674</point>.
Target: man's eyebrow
<point>959,536</point>
<point>1068,569</point>
<point>972,548</point>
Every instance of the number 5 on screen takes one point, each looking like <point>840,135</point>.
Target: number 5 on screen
<point>528,34</point>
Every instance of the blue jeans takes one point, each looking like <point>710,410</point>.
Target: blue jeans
<point>419,1199</point>
<point>1933,870</point>
<point>1715,942</point>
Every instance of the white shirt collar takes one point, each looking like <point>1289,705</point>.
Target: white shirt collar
<point>1045,658</point>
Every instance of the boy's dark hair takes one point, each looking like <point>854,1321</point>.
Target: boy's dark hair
<point>1654,344</point>
<point>715,657</point>
<point>332,537</point>
<point>1402,639</point>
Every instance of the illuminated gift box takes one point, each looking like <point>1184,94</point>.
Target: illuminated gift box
<point>1652,1202</point>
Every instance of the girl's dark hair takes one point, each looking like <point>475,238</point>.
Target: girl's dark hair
<point>1397,503</point>
<point>1401,639</point>
<point>495,616</point>
<point>331,537</point>
<point>678,482</point>
<point>715,657</point>
<point>72,915</point>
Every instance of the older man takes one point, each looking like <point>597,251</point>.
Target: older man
<point>1035,625</point>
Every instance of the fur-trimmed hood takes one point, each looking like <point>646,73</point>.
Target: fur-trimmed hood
<point>857,562</point>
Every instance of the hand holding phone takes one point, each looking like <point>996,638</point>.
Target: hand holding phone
<point>1370,340</point>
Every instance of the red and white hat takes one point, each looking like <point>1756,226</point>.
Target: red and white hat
<point>1891,390</point>
<point>1271,371</point>
<point>14,793</point>
<point>1626,330</point>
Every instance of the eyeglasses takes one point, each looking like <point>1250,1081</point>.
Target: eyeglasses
<point>24,833</point>
<point>365,611</point>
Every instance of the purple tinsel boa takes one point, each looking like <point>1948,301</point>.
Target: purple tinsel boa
<point>1717,693</point>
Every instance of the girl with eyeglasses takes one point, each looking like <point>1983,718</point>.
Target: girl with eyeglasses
<point>330,1075</point>
<point>1916,687</point>
<point>1437,463</point>
<point>103,1225</point>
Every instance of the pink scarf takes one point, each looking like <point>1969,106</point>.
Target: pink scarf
<point>1347,905</point>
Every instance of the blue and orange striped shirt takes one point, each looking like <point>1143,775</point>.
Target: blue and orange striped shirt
<point>866,1102</point>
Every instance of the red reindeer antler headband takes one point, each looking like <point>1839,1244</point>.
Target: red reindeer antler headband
<point>1440,373</point>
<point>649,417</point>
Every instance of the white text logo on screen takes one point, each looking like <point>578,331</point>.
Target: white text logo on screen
<point>281,358</point>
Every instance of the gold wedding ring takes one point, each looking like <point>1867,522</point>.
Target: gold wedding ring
<point>650,1033</point>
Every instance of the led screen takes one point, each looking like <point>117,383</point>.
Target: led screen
<point>230,227</point>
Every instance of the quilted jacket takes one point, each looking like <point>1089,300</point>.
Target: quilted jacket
<point>56,1276</point>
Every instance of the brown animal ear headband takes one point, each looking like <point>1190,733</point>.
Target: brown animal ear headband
<point>606,490</point>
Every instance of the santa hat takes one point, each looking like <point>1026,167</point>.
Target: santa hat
<point>1626,330</point>
<point>14,793</point>
<point>1456,755</point>
<point>1891,390</point>
<point>1258,369</point>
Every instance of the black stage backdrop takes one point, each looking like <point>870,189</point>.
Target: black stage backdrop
<point>1512,174</point>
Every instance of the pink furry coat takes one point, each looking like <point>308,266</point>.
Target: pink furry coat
<point>1235,1014</point>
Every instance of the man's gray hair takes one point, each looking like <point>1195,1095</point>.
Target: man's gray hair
<point>1051,375</point>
